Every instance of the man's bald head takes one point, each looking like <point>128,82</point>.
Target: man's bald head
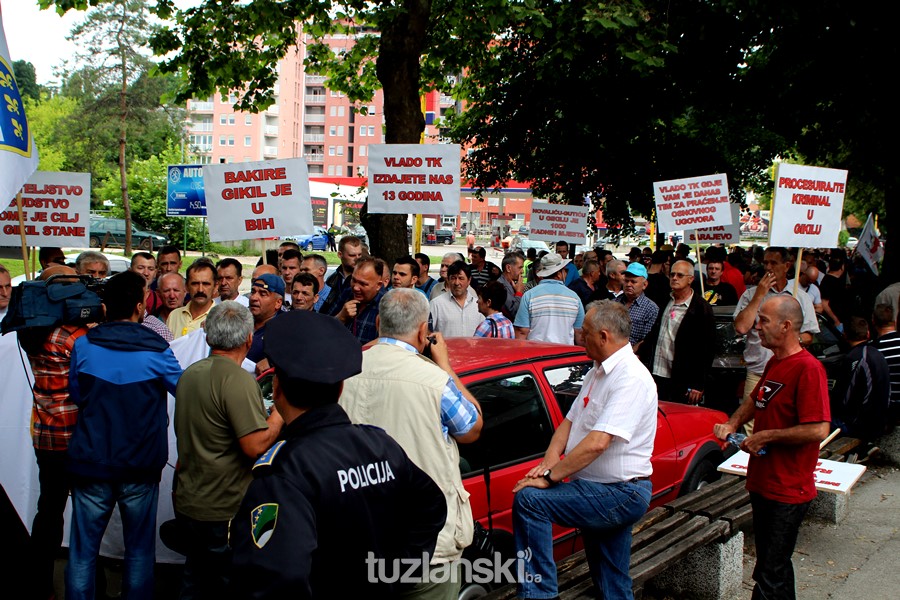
<point>786,308</point>
<point>264,269</point>
<point>56,270</point>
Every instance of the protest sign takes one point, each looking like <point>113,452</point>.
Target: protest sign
<point>185,195</point>
<point>257,199</point>
<point>414,179</point>
<point>807,205</point>
<point>722,234</point>
<point>830,476</point>
<point>558,222</point>
<point>692,203</point>
<point>56,210</point>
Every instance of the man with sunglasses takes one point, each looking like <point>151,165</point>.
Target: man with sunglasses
<point>679,349</point>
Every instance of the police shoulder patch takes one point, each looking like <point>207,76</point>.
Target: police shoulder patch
<point>262,523</point>
<point>269,455</point>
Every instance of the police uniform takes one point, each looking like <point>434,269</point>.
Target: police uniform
<point>330,498</point>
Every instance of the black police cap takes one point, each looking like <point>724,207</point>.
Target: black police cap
<point>312,347</point>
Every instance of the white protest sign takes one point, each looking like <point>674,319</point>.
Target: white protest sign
<point>257,199</point>
<point>56,208</point>
<point>558,222</point>
<point>414,179</point>
<point>723,234</point>
<point>830,476</point>
<point>806,208</point>
<point>692,203</point>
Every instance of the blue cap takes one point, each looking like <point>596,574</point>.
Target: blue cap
<point>273,283</point>
<point>637,269</point>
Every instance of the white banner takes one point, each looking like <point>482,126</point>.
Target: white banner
<point>558,222</point>
<point>692,203</point>
<point>414,179</point>
<point>806,208</point>
<point>257,199</point>
<point>18,154</point>
<point>830,476</point>
<point>723,234</point>
<point>869,245</point>
<point>56,208</point>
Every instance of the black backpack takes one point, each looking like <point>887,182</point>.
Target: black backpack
<point>61,299</point>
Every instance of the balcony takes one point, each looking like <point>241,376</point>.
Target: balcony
<point>196,148</point>
<point>205,126</point>
<point>270,151</point>
<point>315,118</point>
<point>446,100</point>
<point>272,110</point>
<point>315,79</point>
<point>314,98</point>
<point>314,137</point>
<point>271,130</point>
<point>314,158</point>
<point>201,106</point>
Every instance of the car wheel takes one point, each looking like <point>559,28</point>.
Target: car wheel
<point>705,472</point>
<point>147,244</point>
<point>470,591</point>
<point>94,242</point>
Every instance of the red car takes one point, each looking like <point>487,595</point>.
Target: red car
<point>525,390</point>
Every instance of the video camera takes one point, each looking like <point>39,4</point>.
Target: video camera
<point>59,300</point>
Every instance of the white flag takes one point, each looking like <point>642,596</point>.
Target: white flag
<point>869,245</point>
<point>18,154</point>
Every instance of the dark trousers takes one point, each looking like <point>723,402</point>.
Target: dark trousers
<point>208,559</point>
<point>775,528</point>
<point>47,527</point>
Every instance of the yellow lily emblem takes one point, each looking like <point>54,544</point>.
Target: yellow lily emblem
<point>17,129</point>
<point>12,105</point>
<point>6,80</point>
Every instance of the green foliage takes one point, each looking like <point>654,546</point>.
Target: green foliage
<point>147,192</point>
<point>843,236</point>
<point>46,120</point>
<point>26,79</point>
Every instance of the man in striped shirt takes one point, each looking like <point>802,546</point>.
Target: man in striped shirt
<point>888,342</point>
<point>490,299</point>
<point>550,312</point>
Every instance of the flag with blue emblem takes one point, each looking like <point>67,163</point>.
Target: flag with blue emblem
<point>18,155</point>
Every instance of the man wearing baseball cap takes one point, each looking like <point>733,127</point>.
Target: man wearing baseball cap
<point>550,312</point>
<point>266,298</point>
<point>641,309</point>
<point>330,500</point>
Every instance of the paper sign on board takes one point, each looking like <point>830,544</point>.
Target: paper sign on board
<point>414,179</point>
<point>692,203</point>
<point>831,476</point>
<point>57,211</point>
<point>806,209</point>
<point>558,222</point>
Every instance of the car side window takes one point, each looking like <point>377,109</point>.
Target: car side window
<point>566,383</point>
<point>517,426</point>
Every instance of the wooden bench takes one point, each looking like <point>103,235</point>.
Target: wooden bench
<point>665,535</point>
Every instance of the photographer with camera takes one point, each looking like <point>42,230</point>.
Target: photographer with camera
<point>404,393</point>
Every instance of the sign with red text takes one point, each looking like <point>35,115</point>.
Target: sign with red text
<point>558,222</point>
<point>692,203</point>
<point>414,179</point>
<point>56,208</point>
<point>830,476</point>
<point>806,207</point>
<point>723,234</point>
<point>257,199</point>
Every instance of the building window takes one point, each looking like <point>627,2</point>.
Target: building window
<point>372,130</point>
<point>248,120</point>
<point>231,140</point>
<point>222,140</point>
<point>223,120</point>
<point>371,109</point>
<point>231,119</point>
<point>330,150</point>
<point>248,141</point>
<point>340,150</point>
<point>340,111</point>
<point>231,100</point>
<point>332,130</point>
<point>362,131</point>
<point>340,130</point>
<point>334,111</point>
<point>362,150</point>
<point>362,171</point>
<point>331,169</point>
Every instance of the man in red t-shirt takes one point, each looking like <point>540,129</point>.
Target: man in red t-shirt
<point>790,405</point>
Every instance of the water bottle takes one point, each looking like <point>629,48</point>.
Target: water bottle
<point>736,439</point>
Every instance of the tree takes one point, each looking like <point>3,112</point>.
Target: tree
<point>46,120</point>
<point>113,38</point>
<point>404,46</point>
<point>26,79</point>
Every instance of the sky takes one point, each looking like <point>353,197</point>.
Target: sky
<point>38,36</point>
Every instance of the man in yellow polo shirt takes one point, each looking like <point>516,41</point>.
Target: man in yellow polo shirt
<point>201,285</point>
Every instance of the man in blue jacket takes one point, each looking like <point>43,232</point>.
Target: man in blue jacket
<point>118,378</point>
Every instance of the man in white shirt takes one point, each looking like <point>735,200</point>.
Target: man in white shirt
<point>607,439</point>
<point>229,277</point>
<point>456,314</point>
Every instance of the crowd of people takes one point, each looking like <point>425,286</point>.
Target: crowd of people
<point>340,493</point>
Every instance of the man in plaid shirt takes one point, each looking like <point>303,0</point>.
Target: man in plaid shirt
<point>52,422</point>
<point>495,323</point>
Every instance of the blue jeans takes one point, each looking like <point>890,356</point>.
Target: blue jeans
<point>92,506</point>
<point>775,529</point>
<point>604,512</point>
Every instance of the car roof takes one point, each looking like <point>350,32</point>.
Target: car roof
<point>470,355</point>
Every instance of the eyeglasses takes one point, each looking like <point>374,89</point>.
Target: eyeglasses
<point>678,275</point>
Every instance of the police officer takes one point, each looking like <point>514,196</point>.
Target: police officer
<point>333,506</point>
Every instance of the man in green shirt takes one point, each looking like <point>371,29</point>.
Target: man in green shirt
<point>222,427</point>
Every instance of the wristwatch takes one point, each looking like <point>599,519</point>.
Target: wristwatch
<point>546,476</point>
